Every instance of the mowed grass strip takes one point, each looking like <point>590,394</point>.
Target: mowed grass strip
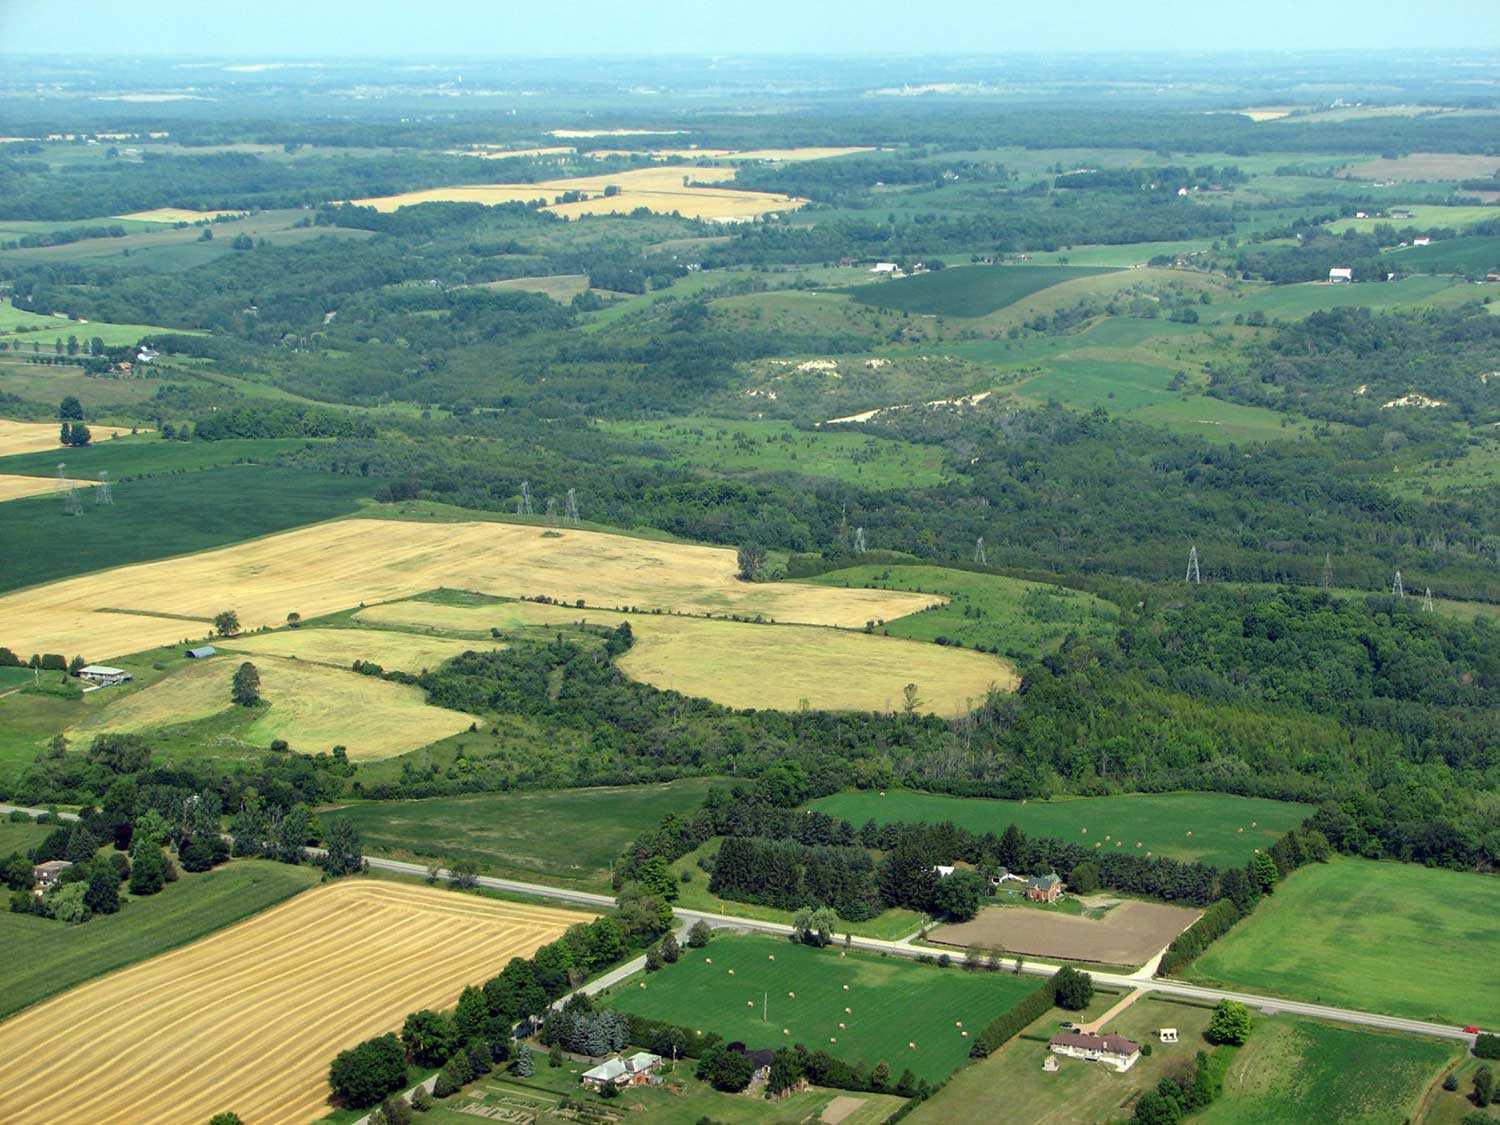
<point>515,835</point>
<point>58,957</point>
<point>1212,827</point>
<point>892,1002</point>
<point>1303,1070</point>
<point>251,1016</point>
<point>966,291</point>
<point>745,665</point>
<point>406,652</point>
<point>332,566</point>
<point>1383,937</point>
<point>312,707</point>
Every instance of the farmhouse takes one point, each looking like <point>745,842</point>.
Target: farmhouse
<point>883,267</point>
<point>1421,241</point>
<point>102,675</point>
<point>1112,1050</point>
<point>47,874</point>
<point>637,1070</point>
<point>1339,274</point>
<point>202,652</point>
<point>1044,888</point>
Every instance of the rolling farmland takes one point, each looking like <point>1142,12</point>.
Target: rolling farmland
<point>966,291</point>
<point>311,977</point>
<point>342,647</point>
<point>34,437</point>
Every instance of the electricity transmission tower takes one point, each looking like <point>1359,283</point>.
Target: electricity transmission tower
<point>1192,569</point>
<point>105,493</point>
<point>859,541</point>
<point>552,509</point>
<point>1397,590</point>
<point>71,504</point>
<point>571,514</point>
<point>1328,570</point>
<point>1427,600</point>
<point>979,555</point>
<point>523,505</point>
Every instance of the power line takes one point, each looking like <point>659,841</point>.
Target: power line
<point>859,541</point>
<point>523,505</point>
<point>105,493</point>
<point>1427,600</point>
<point>1192,567</point>
<point>979,555</point>
<point>1397,590</point>
<point>71,504</point>
<point>1328,570</point>
<point>571,514</point>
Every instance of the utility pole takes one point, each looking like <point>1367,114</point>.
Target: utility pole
<point>1397,590</point>
<point>1427,600</point>
<point>1192,569</point>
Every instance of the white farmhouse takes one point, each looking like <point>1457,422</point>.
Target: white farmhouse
<point>1114,1051</point>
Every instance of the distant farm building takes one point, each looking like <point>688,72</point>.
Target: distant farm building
<point>942,871</point>
<point>1044,888</point>
<point>883,267</point>
<point>47,874</point>
<point>1340,273</point>
<point>637,1070</point>
<point>102,675</point>
<point>202,652</point>
<point>1114,1051</point>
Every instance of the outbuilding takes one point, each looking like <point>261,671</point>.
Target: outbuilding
<point>202,652</point>
<point>1340,274</point>
<point>102,675</point>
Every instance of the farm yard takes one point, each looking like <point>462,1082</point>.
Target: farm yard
<point>743,665</point>
<point>326,567</point>
<point>1213,828</point>
<point>310,706</point>
<point>310,977</point>
<point>909,1015</point>
<point>1130,933</point>
<point>1386,937</point>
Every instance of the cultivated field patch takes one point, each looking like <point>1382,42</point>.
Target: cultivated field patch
<point>175,215</point>
<point>1129,934</point>
<point>739,664</point>
<point>16,488</point>
<point>310,706</point>
<point>251,1016</point>
<point>332,566</point>
<point>1424,166</point>
<point>407,652</point>
<point>966,291</point>
<point>32,437</point>
<point>766,992</point>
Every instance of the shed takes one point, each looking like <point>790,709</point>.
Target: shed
<point>202,652</point>
<point>103,675</point>
<point>1340,273</point>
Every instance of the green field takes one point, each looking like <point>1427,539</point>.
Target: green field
<point>168,515</point>
<point>145,454</point>
<point>1383,937</point>
<point>18,837</point>
<point>965,291</point>
<point>1303,1070</point>
<point>768,447</point>
<point>1293,302</point>
<point>1471,254</point>
<point>514,835</point>
<point>1008,615</point>
<point>1423,216</point>
<point>1212,827</point>
<point>892,1002</point>
<point>58,956</point>
<point>21,329</point>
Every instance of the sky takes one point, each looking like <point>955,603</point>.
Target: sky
<point>469,28</point>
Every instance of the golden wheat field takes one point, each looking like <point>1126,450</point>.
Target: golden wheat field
<point>311,706</point>
<point>16,488</point>
<point>31,437</point>
<point>408,652</point>
<point>248,1019</point>
<point>742,665</point>
<point>332,566</point>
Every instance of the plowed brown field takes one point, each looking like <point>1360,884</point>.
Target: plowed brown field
<point>249,1019</point>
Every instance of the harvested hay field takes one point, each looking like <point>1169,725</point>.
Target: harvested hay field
<point>32,437</point>
<point>406,652</point>
<point>175,215</point>
<point>332,566</point>
<point>810,152</point>
<point>16,488</point>
<point>744,665</point>
<point>1129,934</point>
<point>561,287</point>
<point>312,707</point>
<point>1425,166</point>
<point>251,1016</point>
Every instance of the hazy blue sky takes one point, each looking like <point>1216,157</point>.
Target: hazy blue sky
<point>508,27</point>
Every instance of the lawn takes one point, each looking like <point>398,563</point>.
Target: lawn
<point>966,291</point>
<point>910,1015</point>
<point>1303,1070</point>
<point>1212,827</point>
<point>515,836</point>
<point>1382,937</point>
<point>168,515</point>
<point>1008,615</point>
<point>58,956</point>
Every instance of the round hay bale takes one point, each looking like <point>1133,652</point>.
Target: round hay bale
<point>913,1046</point>
<point>965,1034</point>
<point>791,996</point>
<point>1085,831</point>
<point>848,1011</point>
<point>643,984</point>
<point>841,1025</point>
<point>1190,831</point>
<point>731,972</point>
<point>958,1023</point>
<point>1239,829</point>
<point>770,956</point>
<point>749,1003</point>
<point>1253,823</point>
<point>708,960</point>
<point>831,1039</point>
<point>846,988</point>
<point>786,1031</point>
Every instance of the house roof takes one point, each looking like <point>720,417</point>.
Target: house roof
<point>202,650</point>
<point>52,867</point>
<point>100,670</point>
<point>761,1057</point>
<point>1044,882</point>
<point>611,1069</point>
<point>1109,1044</point>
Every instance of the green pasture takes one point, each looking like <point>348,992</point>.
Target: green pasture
<point>146,454</point>
<point>1008,615</point>
<point>16,836</point>
<point>1119,255</point>
<point>1423,216</point>
<point>1383,937</point>
<point>966,291</point>
<point>516,836</point>
<point>155,517</point>
<point>1476,470</point>
<point>1468,254</point>
<point>49,385</point>
<point>1293,302</point>
<point>1213,828</point>
<point>21,329</point>
<point>906,1014</point>
<point>59,957</point>
<point>726,446</point>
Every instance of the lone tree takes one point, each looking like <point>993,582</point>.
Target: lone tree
<point>959,895</point>
<point>1074,989</point>
<point>227,623</point>
<point>1230,1024</point>
<point>294,619</point>
<point>70,410</point>
<point>246,687</point>
<point>344,849</point>
<point>910,700</point>
<point>752,562</point>
<point>814,925</point>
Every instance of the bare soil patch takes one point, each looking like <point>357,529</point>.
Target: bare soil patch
<point>1129,934</point>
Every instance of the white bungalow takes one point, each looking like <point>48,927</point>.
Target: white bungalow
<point>1114,1051</point>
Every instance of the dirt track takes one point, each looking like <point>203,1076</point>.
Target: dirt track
<point>1127,935</point>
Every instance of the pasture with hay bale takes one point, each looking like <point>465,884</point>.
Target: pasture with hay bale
<point>317,974</point>
<point>1213,828</point>
<point>858,1007</point>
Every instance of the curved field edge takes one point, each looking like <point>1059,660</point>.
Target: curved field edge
<point>60,957</point>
